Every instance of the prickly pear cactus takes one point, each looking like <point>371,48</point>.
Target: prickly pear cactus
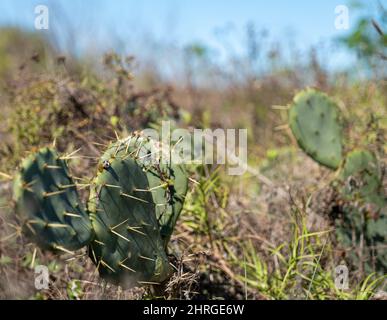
<point>314,121</point>
<point>364,237</point>
<point>46,197</point>
<point>135,200</point>
<point>361,176</point>
<point>127,249</point>
<point>363,223</point>
<point>168,182</point>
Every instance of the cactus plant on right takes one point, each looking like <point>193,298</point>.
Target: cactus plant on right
<point>361,227</point>
<point>314,120</point>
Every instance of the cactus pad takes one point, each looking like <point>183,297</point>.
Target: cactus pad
<point>168,182</point>
<point>361,175</point>
<point>363,224</point>
<point>47,199</point>
<point>314,121</point>
<point>127,249</point>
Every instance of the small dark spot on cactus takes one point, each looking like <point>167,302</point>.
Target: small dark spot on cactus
<point>106,164</point>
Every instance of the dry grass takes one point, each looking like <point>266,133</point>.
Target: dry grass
<point>264,235</point>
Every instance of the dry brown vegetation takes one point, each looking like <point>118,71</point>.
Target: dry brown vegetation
<point>264,235</point>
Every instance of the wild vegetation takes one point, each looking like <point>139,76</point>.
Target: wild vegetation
<point>78,195</point>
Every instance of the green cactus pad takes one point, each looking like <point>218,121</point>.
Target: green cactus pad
<point>364,236</point>
<point>364,219</point>
<point>127,249</point>
<point>168,182</point>
<point>47,199</point>
<point>314,121</point>
<point>361,174</point>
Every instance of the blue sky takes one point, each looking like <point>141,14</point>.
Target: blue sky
<point>104,25</point>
